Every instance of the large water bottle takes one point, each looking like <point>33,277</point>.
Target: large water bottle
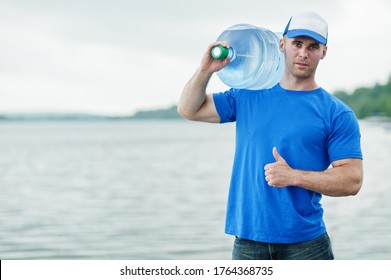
<point>256,61</point>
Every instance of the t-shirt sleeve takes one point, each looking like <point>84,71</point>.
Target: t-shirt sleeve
<point>226,105</point>
<point>344,140</point>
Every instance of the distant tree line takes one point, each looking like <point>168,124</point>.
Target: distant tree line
<point>369,101</point>
<point>364,101</point>
<point>166,113</point>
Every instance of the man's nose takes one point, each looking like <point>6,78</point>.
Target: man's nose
<point>303,53</point>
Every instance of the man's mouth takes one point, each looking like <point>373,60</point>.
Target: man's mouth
<point>302,64</point>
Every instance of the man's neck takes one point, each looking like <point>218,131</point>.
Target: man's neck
<point>292,83</point>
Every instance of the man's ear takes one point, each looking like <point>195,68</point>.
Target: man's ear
<point>324,52</point>
<point>282,44</point>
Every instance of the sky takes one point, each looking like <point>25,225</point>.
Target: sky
<point>119,56</point>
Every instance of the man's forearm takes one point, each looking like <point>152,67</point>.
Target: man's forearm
<point>337,181</point>
<point>343,179</point>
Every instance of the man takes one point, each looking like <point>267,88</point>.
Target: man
<point>287,138</point>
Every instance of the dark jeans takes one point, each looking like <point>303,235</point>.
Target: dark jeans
<point>317,249</point>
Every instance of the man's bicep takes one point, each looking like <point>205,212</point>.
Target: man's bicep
<point>351,168</point>
<point>207,112</point>
<point>349,162</point>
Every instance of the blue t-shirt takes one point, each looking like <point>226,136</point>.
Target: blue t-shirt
<point>310,129</point>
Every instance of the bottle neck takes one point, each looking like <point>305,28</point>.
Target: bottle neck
<point>221,52</point>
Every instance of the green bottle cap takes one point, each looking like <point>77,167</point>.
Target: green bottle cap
<point>219,52</point>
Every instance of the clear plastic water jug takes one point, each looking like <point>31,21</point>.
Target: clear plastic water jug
<point>255,58</point>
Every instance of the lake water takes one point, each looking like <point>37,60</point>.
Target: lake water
<point>154,190</point>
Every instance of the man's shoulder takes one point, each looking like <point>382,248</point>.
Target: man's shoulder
<point>340,105</point>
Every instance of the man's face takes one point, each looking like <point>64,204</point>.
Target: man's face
<point>302,55</point>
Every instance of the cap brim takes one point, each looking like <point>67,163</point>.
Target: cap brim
<point>306,33</point>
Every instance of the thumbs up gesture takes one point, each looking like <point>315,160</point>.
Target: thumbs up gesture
<point>279,173</point>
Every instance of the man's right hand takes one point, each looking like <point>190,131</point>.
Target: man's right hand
<point>210,64</point>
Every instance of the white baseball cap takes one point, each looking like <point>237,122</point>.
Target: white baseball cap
<point>308,24</point>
